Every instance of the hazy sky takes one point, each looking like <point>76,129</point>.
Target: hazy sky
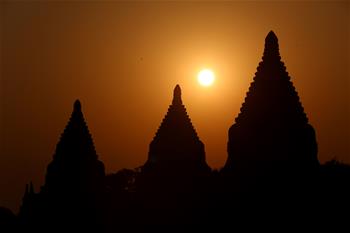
<point>122,60</point>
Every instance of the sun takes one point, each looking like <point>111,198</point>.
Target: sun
<point>206,77</point>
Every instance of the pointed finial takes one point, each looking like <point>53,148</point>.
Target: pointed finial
<point>271,36</point>
<point>271,45</point>
<point>177,95</point>
<point>77,105</point>
<point>177,90</point>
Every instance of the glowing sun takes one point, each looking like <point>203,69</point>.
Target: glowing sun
<point>206,77</point>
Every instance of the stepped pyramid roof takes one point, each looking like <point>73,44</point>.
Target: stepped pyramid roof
<point>272,125</point>
<point>272,96</point>
<point>75,164</point>
<point>76,141</point>
<point>176,142</point>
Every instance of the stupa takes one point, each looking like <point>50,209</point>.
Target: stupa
<point>176,147</point>
<point>272,129</point>
<point>75,168</point>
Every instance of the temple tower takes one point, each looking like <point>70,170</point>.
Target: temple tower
<point>176,146</point>
<point>271,130</point>
<point>171,183</point>
<point>75,171</point>
<point>74,184</point>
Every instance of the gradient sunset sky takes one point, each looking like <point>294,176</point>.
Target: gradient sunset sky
<point>122,60</point>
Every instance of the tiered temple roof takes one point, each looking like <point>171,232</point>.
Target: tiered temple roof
<point>75,163</point>
<point>272,127</point>
<point>176,145</point>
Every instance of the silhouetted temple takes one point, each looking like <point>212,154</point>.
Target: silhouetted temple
<point>272,153</point>
<point>74,180</point>
<point>176,146</point>
<point>75,166</point>
<point>272,130</point>
<point>168,185</point>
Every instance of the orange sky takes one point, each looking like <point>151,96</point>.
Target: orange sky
<point>122,60</point>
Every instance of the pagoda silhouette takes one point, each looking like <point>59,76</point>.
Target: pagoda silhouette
<point>170,183</point>
<point>271,132</point>
<point>74,180</point>
<point>75,167</point>
<point>176,146</point>
<point>272,164</point>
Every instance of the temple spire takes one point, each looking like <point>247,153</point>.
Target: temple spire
<point>176,143</point>
<point>77,106</point>
<point>76,138</point>
<point>177,96</point>
<point>75,157</point>
<point>272,126</point>
<point>271,47</point>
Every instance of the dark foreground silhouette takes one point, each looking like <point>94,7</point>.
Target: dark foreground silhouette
<point>272,173</point>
